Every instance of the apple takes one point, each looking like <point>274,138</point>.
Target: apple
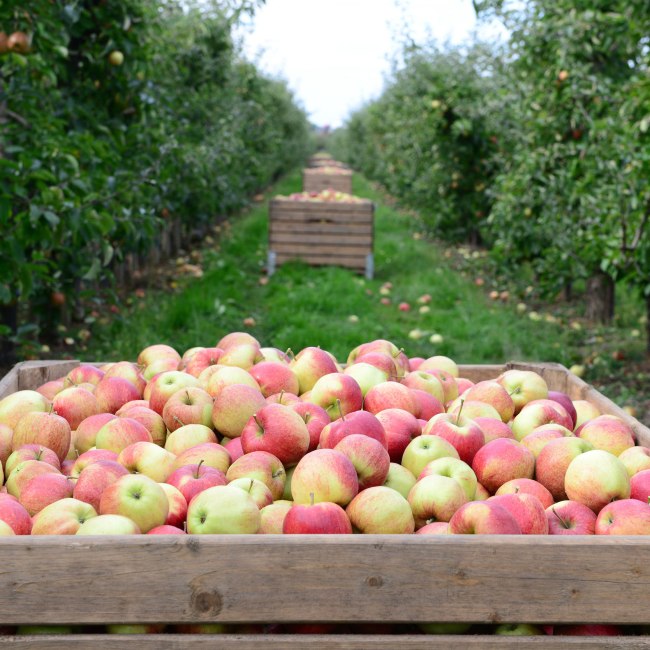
<point>118,434</point>
<point>263,466</point>
<point>494,394</point>
<point>493,428</point>
<point>164,385</point>
<point>463,384</point>
<point>326,474</point>
<point>50,389</point>
<point>87,458</point>
<point>202,359</point>
<point>585,411</point>
<point>536,413</point>
<point>24,472</point>
<point>177,513</point>
<point>149,459</point>
<point>554,459</point>
<point>62,517</point>
<point>85,435</point>
<point>317,518</point>
<point>223,510</point>
<point>116,58</point>
<point>440,362</point>
<point>338,394</point>
<point>607,432</point>
<point>165,529</point>
<point>369,457</point>
<point>389,395</point>
<point>6,530</point>
<point>109,524</point>
<point>31,452</point>
<point>138,497</point>
<point>223,376</point>
<point>233,447</point>
<point>640,486</point>
<point>275,354</point>
<point>14,514</point>
<point>150,420</point>
<point>15,405</point>
<point>75,405</point>
<point>366,375</point>
<point>595,478</point>
<point>527,510</point>
<point>426,405</point>
<point>381,510</point>
<point>187,356</point>
<point>447,381</point>
<point>565,401</point>
<point>400,428</point>
<point>113,392</point>
<point>274,377</point>
<point>83,374</point>
<point>523,386</point>
<point>234,406</point>
<point>286,399</point>
<point>41,428</point>
<point>435,498</point>
<point>570,518</point>
<point>434,528</point>
<point>455,468</point>
<point>272,517</point>
<point>156,368</point>
<point>518,629</point>
<point>527,486</point>
<point>425,448</point>
<point>425,381</point>
<point>242,355</point>
<point>357,422</point>
<point>315,417</point>
<point>129,371</point>
<point>155,352</point>
<point>211,454</point>
<point>278,430</point>
<point>189,405</point>
<point>189,436</point>
<point>587,630</point>
<point>6,442</point>
<point>473,409</point>
<point>501,461</point>
<point>255,489</point>
<point>95,478</point>
<point>189,480</point>
<point>466,437</point>
<point>624,517</point>
<point>483,518</point>
<point>44,489</point>
<point>538,438</point>
<point>381,361</point>
<point>636,459</point>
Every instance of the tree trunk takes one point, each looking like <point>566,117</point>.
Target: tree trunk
<point>600,298</point>
<point>9,318</point>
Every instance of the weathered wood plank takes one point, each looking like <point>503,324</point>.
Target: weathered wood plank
<point>357,263</point>
<point>316,249</point>
<point>325,578</point>
<point>325,228</point>
<point>305,237</point>
<point>313,181</point>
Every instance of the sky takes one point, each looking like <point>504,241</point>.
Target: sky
<point>334,54</point>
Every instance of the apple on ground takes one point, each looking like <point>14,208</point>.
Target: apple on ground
<point>223,510</point>
<point>324,475</point>
<point>381,510</point>
<point>63,517</point>
<point>263,466</point>
<point>570,518</point>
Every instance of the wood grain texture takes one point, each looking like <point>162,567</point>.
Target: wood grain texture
<point>319,642</point>
<point>322,228</point>
<point>31,374</point>
<point>355,578</point>
<point>308,238</point>
<point>357,263</point>
<point>315,181</point>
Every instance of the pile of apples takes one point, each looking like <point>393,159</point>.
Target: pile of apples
<point>240,438</point>
<point>328,195</point>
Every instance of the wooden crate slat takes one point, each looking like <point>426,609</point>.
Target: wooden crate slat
<point>316,248</point>
<point>308,238</point>
<point>319,228</point>
<point>332,578</point>
<point>31,374</point>
<point>317,182</point>
<point>324,260</point>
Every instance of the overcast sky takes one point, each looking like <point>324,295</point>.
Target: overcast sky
<point>334,53</point>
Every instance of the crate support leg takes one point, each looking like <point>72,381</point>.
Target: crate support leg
<point>270,264</point>
<point>370,266</point>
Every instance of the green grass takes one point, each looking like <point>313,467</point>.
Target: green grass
<point>303,306</point>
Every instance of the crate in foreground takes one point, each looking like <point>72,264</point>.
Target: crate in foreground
<point>328,578</point>
<point>319,232</point>
<point>323,178</point>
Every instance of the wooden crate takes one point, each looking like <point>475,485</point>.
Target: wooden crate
<point>356,578</point>
<point>325,162</point>
<point>315,180</point>
<point>322,233</point>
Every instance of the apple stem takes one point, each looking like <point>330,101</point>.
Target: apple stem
<point>198,468</point>
<point>51,408</point>
<point>290,353</point>
<point>259,424</point>
<point>189,399</point>
<point>460,410</point>
<point>564,523</point>
<point>338,405</point>
<point>281,396</point>
<point>177,419</point>
<point>250,487</point>
<point>311,498</point>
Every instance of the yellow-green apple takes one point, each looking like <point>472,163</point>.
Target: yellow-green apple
<point>381,361</point>
<point>435,498</point>
<point>223,376</point>
<point>24,472</point>
<point>41,428</point>
<point>425,381</point>
<point>211,453</point>
<point>234,406</point>
<point>359,422</point>
<point>109,524</point>
<point>390,394</point>
<point>286,492</point>
<point>400,428</point>
<point>113,392</point>
<point>527,509</point>
<point>16,405</point>
<point>149,459</point>
<point>518,629</point>
<point>86,433</point>
<point>223,510</point>
<point>493,393</point>
<point>585,411</point>
<point>236,338</point>
<point>84,374</point>
<point>6,442</point>
<point>538,412</point>
<point>255,489</point>
<point>369,457</point>
<point>426,404</point>
<point>434,528</point>
<point>440,362</point>
<point>472,409</point>
<point>570,518</point>
<point>399,479</point>
<point>31,452</point>
<point>381,510</point>
<point>316,519</point>
<point>624,517</point>
<point>309,365</point>
<point>177,512</point>
<point>129,371</point>
<point>189,436</point>
<point>272,517</point>
<point>596,478</point>
<point>315,417</point>
<point>338,394</point>
<point>425,448</point>
<point>609,433</point>
<point>242,355</point>
<point>44,489</point>
<point>527,486</point>
<point>192,479</point>
<point>493,428</point>
<point>138,497</point>
<point>483,518</point>
<point>554,459</point>
<point>95,478</point>
<point>565,401</point>
<point>150,420</point>
<point>523,386</point>
<point>165,529</point>
<point>14,514</point>
<point>166,384</point>
<point>117,434</point>
<point>366,375</point>
<point>75,405</point>
<point>233,447</point>
<point>88,458</point>
<point>538,438</point>
<point>62,517</point>
<point>286,399</point>
<point>640,485</point>
<point>461,432</point>
<point>455,468</point>
<point>481,493</point>
<point>447,381</point>
<point>278,430</point>
<point>52,388</point>
<point>203,359</point>
<point>500,461</point>
<point>156,368</point>
<point>326,474</point>
<point>158,351</point>
<point>275,354</point>
<point>189,405</point>
<point>263,466</point>
<point>636,459</point>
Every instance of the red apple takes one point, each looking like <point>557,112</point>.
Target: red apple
<point>609,433</point>
<point>234,406</point>
<point>338,394</point>
<point>47,429</point>
<point>117,434</point>
<point>129,371</point>
<point>326,474</point>
<point>369,457</point>
<point>192,479</point>
<point>211,453</point>
<point>31,452</point>
<point>389,395</point>
<point>84,374</point>
<point>75,405</point>
<point>527,486</point>
<point>274,377</point>
<point>188,405</point>
<point>434,528</point>
<point>357,422</point>
<point>14,514</point>
<point>15,405</point>
<point>426,404</point>
<point>466,437</point>
<point>500,461</point>
<point>539,412</point>
<point>166,529</point>
<point>570,518</point>
<point>149,459</point>
<point>233,447</point>
<point>426,382</point>
<point>527,510</point>
<point>400,428</point>
<point>87,458</point>
<point>85,435</point>
<point>149,419</point>
<point>255,489</point>
<point>493,393</point>
<point>63,517</point>
<point>565,401</point>
<point>263,466</point>
<point>95,478</point>
<point>316,518</point>
<point>483,518</point>
<point>177,513</point>
<point>493,428</point>
<point>624,517</point>
<point>44,489</point>
<point>114,392</point>
<point>553,461</point>
<point>272,517</point>
<point>315,417</point>
<point>202,359</point>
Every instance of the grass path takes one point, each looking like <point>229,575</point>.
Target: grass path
<point>332,307</point>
